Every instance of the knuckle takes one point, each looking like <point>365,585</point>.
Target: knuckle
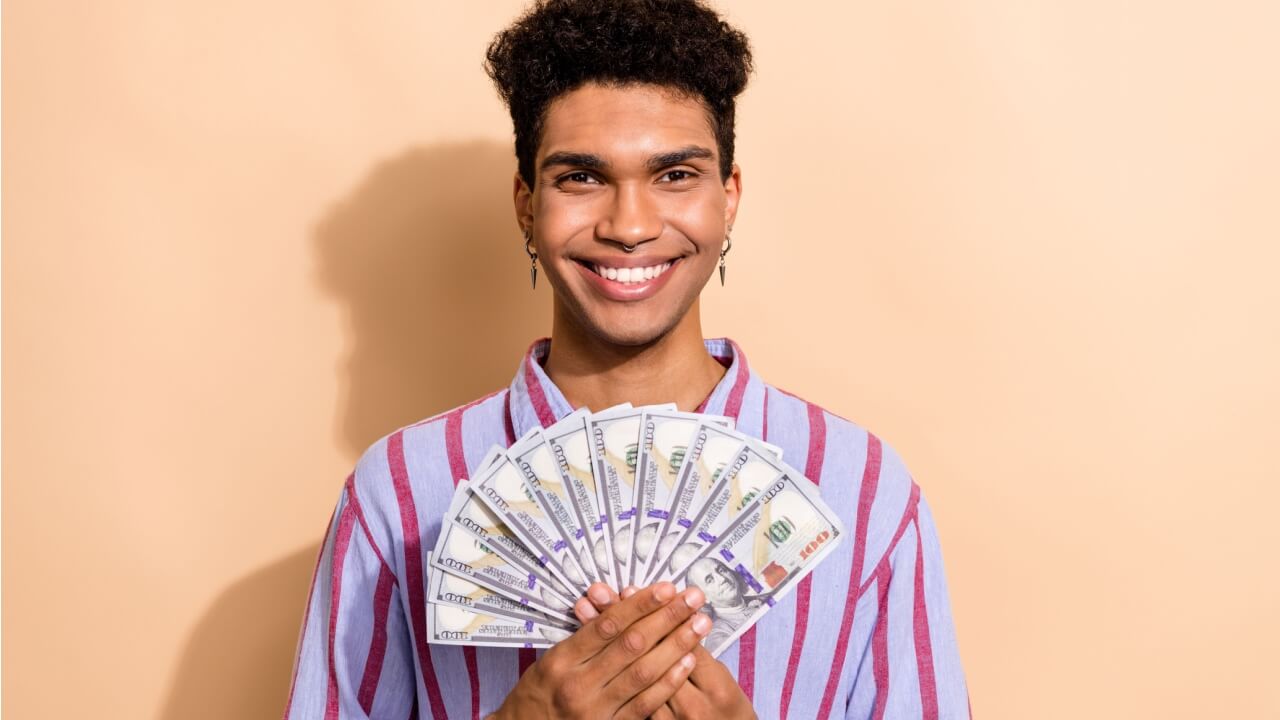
<point>641,674</point>
<point>675,612</point>
<point>633,642</point>
<point>567,697</point>
<point>551,664</point>
<point>607,627</point>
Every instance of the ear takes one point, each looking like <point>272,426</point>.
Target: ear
<point>732,194</point>
<point>522,196</point>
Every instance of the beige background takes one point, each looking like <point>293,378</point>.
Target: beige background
<point>1033,245</point>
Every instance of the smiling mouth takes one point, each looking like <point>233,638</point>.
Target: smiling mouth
<point>628,276</point>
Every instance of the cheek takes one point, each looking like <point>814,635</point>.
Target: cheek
<point>702,223</point>
<point>558,222</point>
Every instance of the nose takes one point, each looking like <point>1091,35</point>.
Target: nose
<point>632,217</point>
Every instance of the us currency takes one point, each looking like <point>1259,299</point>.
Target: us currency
<point>779,536</point>
<point>460,553</point>
<point>504,488</point>
<point>451,625</point>
<point>467,511</point>
<point>615,442</point>
<point>734,482</point>
<point>663,444</point>
<point>534,459</point>
<point>448,589</point>
<point>571,450</point>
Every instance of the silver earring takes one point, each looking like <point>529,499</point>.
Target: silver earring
<point>533,261</point>
<point>728,243</point>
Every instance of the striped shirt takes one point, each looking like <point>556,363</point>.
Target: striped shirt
<point>867,635</point>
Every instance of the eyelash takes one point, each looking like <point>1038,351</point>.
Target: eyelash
<point>569,177</point>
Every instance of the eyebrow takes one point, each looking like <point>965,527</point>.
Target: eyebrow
<point>591,161</point>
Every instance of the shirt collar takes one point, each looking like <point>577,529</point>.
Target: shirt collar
<point>535,401</point>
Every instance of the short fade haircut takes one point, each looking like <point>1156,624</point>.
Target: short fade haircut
<point>559,45</point>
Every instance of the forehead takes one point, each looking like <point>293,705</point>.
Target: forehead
<point>620,120</point>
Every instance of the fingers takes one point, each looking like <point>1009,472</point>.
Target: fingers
<point>663,713</point>
<point>655,696</point>
<point>585,611</point>
<point>646,671</point>
<point>707,671</point>
<point>599,596</point>
<point>660,631</point>
<point>600,632</point>
<point>688,701</point>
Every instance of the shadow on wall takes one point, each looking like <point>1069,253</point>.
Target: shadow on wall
<point>426,259</point>
<point>240,655</point>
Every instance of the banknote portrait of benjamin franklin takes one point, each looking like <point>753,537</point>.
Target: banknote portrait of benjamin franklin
<point>728,602</point>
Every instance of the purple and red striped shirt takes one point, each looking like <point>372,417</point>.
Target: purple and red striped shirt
<point>868,635</point>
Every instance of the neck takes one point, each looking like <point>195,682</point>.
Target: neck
<point>591,373</point>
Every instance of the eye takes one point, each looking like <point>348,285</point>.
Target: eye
<point>577,176</point>
<point>678,175</point>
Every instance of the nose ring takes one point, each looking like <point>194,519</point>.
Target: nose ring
<point>628,248</point>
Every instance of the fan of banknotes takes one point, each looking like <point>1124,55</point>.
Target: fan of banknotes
<point>625,496</point>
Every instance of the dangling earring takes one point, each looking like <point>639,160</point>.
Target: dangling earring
<point>533,260</point>
<point>728,243</point>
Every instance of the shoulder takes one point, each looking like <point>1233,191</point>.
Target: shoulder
<point>861,475</point>
<point>410,472</point>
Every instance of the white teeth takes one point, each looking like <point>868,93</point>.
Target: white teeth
<point>631,275</point>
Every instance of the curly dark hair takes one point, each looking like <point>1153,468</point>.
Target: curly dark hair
<point>559,45</point>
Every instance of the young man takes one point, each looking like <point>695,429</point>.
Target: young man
<point>625,196</point>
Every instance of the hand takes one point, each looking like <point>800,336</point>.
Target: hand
<point>624,662</point>
<point>710,690</point>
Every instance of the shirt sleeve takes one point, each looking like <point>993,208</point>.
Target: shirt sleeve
<point>354,657</point>
<point>914,663</point>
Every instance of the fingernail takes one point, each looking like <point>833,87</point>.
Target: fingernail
<point>694,598</point>
<point>628,591</point>
<point>586,611</point>
<point>598,594</point>
<point>664,592</point>
<point>687,661</point>
<point>701,624</point>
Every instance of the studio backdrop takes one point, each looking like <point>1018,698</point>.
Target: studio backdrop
<point>1032,245</point>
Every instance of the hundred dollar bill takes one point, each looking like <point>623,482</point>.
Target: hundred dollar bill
<point>734,480</point>
<point>664,442</point>
<point>470,513</point>
<point>570,448</point>
<point>447,589</point>
<point>505,489</point>
<point>451,625</point>
<point>777,539</point>
<point>461,553</point>
<point>711,448</point>
<point>615,442</point>
<point>551,490</point>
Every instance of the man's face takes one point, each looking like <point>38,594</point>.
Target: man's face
<point>632,165</point>
<point>716,581</point>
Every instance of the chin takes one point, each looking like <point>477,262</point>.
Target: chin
<point>630,335</point>
<point>626,324</point>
